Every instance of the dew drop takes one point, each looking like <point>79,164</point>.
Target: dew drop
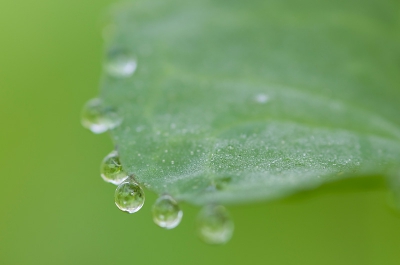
<point>129,196</point>
<point>98,117</point>
<point>166,212</point>
<point>261,98</point>
<point>214,225</point>
<point>120,63</point>
<point>111,169</point>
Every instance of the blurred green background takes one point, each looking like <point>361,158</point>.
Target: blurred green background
<point>55,209</point>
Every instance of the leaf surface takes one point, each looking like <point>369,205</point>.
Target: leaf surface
<point>241,101</point>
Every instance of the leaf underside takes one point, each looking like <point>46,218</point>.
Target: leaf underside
<point>241,101</point>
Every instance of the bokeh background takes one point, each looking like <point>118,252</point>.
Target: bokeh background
<point>55,209</point>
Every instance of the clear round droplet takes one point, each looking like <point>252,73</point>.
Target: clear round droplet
<point>120,63</point>
<point>111,169</point>
<point>214,225</point>
<point>166,212</point>
<point>98,117</point>
<point>129,196</point>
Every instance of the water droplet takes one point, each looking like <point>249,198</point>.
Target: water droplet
<point>111,169</point>
<point>214,225</point>
<point>166,212</point>
<point>129,196</point>
<point>261,98</point>
<point>99,118</point>
<point>120,63</point>
<point>172,162</point>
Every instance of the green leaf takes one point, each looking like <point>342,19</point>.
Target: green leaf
<point>240,101</point>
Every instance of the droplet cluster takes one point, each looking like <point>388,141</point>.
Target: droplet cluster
<point>214,223</point>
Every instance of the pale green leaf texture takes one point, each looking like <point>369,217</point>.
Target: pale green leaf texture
<point>239,101</point>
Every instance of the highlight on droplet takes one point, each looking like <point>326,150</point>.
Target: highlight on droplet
<point>120,63</point>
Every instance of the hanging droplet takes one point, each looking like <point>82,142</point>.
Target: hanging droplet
<point>166,212</point>
<point>129,196</point>
<point>214,225</point>
<point>111,169</point>
<point>99,118</point>
<point>120,63</point>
